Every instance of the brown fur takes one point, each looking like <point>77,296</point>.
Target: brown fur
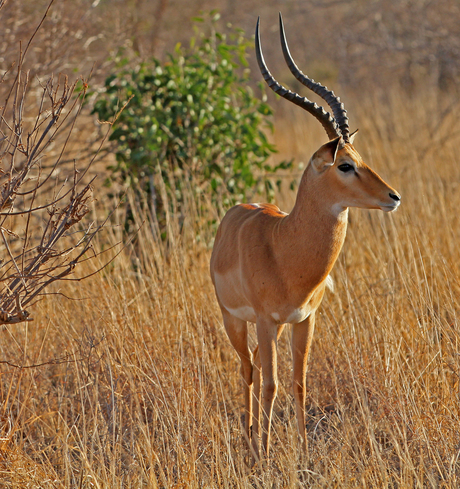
<point>270,268</point>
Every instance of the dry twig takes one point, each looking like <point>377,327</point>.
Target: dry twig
<point>42,233</point>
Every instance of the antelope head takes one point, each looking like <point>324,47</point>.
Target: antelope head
<point>336,169</point>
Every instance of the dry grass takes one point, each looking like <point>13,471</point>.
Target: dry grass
<point>148,393</point>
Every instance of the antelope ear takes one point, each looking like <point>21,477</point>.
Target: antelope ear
<point>325,156</point>
<point>353,135</point>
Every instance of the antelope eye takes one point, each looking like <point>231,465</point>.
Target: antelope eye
<point>345,167</point>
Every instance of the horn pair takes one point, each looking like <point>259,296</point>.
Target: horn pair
<point>336,125</point>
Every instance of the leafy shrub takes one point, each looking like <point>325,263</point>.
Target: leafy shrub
<point>191,122</point>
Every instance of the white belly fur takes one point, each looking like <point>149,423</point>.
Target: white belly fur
<point>298,315</point>
<point>247,313</point>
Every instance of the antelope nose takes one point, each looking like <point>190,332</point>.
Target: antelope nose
<point>395,197</point>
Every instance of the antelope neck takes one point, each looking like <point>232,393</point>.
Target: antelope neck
<point>316,227</point>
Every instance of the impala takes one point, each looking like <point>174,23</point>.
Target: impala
<point>271,268</point>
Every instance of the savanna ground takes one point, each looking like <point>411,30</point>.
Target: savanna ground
<point>140,387</point>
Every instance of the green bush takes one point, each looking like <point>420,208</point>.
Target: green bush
<point>192,122</point>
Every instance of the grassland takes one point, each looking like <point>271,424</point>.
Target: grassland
<point>140,387</point>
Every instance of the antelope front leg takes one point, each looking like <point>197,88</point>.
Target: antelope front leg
<point>267,336</point>
<point>302,335</point>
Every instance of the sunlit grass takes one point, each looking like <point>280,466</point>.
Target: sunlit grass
<point>146,390</point>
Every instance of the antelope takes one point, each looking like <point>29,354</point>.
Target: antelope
<point>272,268</point>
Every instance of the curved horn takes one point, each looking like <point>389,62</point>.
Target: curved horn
<point>338,109</point>
<point>324,117</point>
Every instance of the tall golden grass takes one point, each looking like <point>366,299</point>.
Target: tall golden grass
<point>140,387</point>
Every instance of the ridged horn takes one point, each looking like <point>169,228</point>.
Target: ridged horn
<point>326,120</point>
<point>338,109</point>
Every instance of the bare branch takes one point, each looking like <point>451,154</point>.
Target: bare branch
<point>52,239</point>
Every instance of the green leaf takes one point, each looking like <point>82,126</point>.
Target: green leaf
<point>193,118</point>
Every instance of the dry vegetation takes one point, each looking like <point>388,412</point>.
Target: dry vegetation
<point>148,392</point>
<point>133,382</point>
